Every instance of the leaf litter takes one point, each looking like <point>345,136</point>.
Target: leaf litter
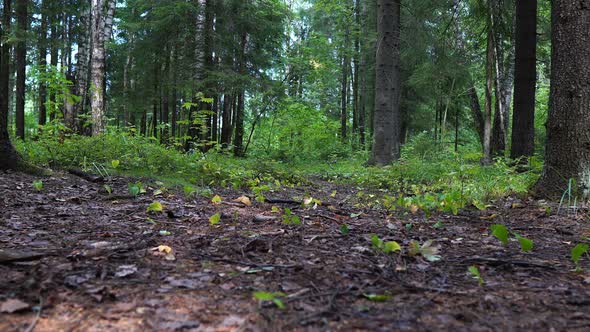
<point>98,263</point>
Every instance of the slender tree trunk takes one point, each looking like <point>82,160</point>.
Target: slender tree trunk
<point>240,110</point>
<point>487,129</point>
<point>21,66</point>
<point>475,108</point>
<point>567,155</point>
<point>525,80</point>
<point>42,65</point>
<point>344,96</point>
<point>387,118</point>
<point>165,101</point>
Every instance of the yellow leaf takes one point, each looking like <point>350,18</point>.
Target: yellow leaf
<point>244,200</point>
<point>414,208</point>
<point>216,200</point>
<point>165,249</point>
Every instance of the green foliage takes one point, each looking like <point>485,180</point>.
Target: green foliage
<point>474,271</point>
<point>215,219</point>
<point>274,297</point>
<point>577,252</point>
<point>503,235</point>
<point>377,297</point>
<point>38,185</point>
<point>155,207</point>
<point>385,247</point>
<point>289,218</point>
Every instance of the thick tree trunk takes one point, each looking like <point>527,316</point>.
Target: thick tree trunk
<point>387,118</point>
<point>567,155</point>
<point>102,22</point>
<point>525,80</point>
<point>5,63</point>
<point>226,126</point>
<point>21,66</point>
<point>82,72</point>
<point>9,159</point>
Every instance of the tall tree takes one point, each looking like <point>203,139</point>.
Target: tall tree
<point>102,23</point>
<point>9,159</point>
<point>567,155</point>
<point>387,118</point>
<point>43,64</point>
<point>523,123</point>
<point>21,66</point>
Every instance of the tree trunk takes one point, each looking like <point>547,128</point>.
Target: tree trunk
<point>567,155</point>
<point>82,66</point>
<point>475,108</point>
<point>344,95</point>
<point>42,65</point>
<point>5,67</point>
<point>525,80</point>
<point>240,110</point>
<point>21,66</point>
<point>226,126</point>
<point>387,118</point>
<point>102,22</point>
<point>487,118</point>
<point>9,159</point>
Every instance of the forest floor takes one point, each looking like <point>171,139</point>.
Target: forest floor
<point>75,258</point>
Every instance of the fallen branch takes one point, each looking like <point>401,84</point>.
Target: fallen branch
<point>87,176</point>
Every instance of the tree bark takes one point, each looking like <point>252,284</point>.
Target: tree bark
<point>387,118</point>
<point>344,94</point>
<point>21,66</point>
<point>102,22</point>
<point>82,71</point>
<point>525,80</point>
<point>42,65</point>
<point>240,109</point>
<point>487,117</point>
<point>567,155</point>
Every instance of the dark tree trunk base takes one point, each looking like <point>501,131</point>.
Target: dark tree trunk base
<point>9,159</point>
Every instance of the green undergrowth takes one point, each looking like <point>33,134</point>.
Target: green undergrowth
<point>426,181</point>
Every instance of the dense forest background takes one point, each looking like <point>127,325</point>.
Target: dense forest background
<point>287,80</point>
<point>293,82</point>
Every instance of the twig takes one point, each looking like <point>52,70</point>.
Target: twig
<point>34,323</point>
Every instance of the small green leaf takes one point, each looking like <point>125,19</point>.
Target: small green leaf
<point>108,189</point>
<point>344,229</point>
<point>377,297</point>
<point>476,274</point>
<point>165,233</point>
<point>578,251</point>
<point>215,219</point>
<point>377,242</point>
<point>525,243</point>
<point>216,199</point>
<point>438,225</point>
<point>38,185</point>
<point>264,296</point>
<point>155,207</point>
<point>391,246</point>
<point>279,303</point>
<point>134,189</point>
<point>500,232</point>
<point>115,163</point>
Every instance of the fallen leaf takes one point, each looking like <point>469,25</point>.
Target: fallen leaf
<point>125,271</point>
<point>244,200</point>
<point>13,305</point>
